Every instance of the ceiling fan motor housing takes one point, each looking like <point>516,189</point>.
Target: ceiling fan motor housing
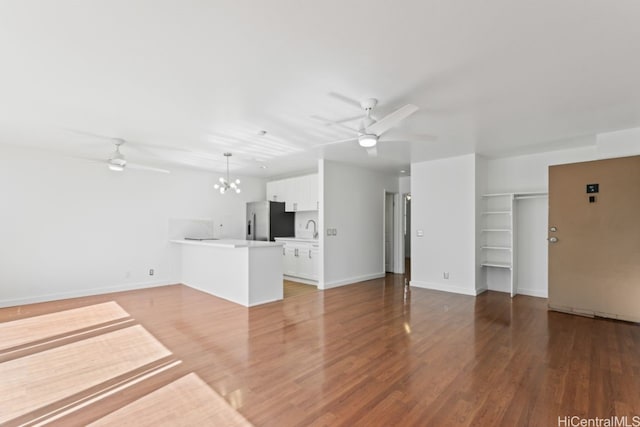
<point>369,104</point>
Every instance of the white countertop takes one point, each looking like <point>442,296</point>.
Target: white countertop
<point>228,243</point>
<point>296,239</point>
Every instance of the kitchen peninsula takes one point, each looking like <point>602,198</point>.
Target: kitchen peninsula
<point>246,272</point>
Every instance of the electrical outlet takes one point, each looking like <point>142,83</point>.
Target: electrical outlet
<point>151,272</point>
<point>446,275</point>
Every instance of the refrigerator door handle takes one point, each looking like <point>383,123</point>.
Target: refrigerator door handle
<point>254,227</point>
<point>249,229</point>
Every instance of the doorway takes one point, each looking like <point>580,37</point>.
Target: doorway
<point>389,207</point>
<point>406,233</point>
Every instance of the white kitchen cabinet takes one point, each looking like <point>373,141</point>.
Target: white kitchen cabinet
<point>292,193</point>
<point>308,263</point>
<point>300,260</point>
<point>299,193</point>
<point>308,193</point>
<point>290,261</point>
<point>276,191</point>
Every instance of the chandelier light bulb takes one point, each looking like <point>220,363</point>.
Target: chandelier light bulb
<point>221,180</point>
<point>237,191</point>
<point>237,181</point>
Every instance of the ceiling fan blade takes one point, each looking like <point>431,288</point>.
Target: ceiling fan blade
<point>346,99</point>
<point>127,141</point>
<point>409,137</point>
<point>392,119</point>
<point>373,151</point>
<point>328,122</point>
<point>91,159</point>
<point>146,168</point>
<point>90,134</point>
<point>340,141</point>
<point>348,119</point>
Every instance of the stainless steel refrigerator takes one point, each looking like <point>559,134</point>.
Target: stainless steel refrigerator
<point>267,220</point>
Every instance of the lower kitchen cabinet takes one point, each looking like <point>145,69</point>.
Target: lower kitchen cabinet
<point>301,260</point>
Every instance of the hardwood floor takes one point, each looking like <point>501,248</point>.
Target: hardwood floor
<point>292,289</point>
<point>375,354</point>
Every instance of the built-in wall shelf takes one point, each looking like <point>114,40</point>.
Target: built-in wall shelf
<point>497,239</point>
<point>497,213</point>
<point>530,195</point>
<point>496,264</point>
<point>497,195</point>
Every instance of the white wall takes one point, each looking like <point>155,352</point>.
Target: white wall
<point>71,227</point>
<point>443,198</point>
<point>618,144</point>
<point>531,172</point>
<point>480,189</point>
<point>353,203</point>
<point>404,184</point>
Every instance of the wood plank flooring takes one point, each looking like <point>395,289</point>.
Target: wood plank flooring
<point>375,354</point>
<point>292,289</point>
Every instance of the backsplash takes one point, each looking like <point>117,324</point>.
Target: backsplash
<point>301,222</point>
<point>183,227</point>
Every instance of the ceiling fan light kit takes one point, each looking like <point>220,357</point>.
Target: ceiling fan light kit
<point>367,140</point>
<point>225,185</point>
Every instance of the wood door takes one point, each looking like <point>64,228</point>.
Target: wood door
<point>594,267</point>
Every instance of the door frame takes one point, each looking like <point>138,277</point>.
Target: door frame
<point>397,258</point>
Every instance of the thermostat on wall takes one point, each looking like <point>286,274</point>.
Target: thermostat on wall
<point>592,188</point>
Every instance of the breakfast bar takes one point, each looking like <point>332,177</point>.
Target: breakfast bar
<point>246,272</point>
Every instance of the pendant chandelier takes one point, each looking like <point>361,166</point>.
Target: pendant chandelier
<point>225,185</point>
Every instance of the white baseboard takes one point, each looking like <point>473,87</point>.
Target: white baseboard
<point>533,293</point>
<point>352,280</point>
<point>445,288</point>
<point>301,280</point>
<point>82,293</point>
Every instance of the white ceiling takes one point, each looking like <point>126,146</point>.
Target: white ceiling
<point>203,77</point>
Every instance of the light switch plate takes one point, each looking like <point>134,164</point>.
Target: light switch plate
<point>420,233</point>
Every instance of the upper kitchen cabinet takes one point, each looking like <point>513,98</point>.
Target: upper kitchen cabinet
<point>276,191</point>
<point>299,193</point>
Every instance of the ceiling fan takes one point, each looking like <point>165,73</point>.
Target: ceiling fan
<point>370,130</point>
<point>162,152</point>
<point>117,162</point>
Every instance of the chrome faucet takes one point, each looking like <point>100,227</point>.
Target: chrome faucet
<point>315,228</point>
